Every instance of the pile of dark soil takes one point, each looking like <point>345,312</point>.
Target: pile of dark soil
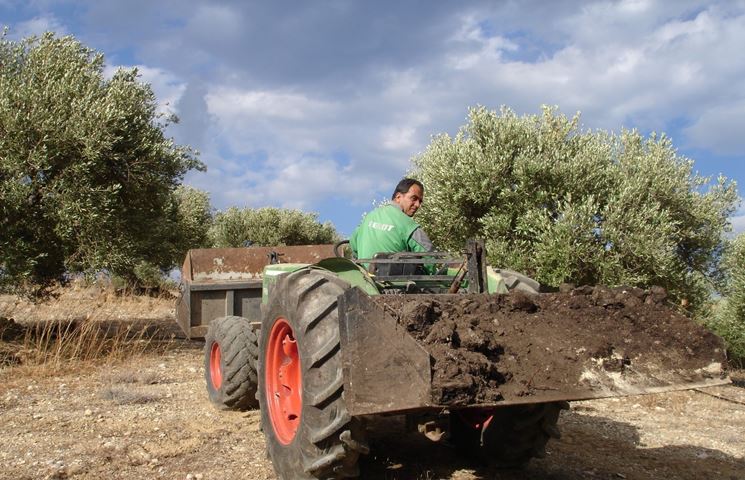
<point>492,348</point>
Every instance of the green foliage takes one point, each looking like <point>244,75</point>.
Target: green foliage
<point>728,318</point>
<point>566,205</point>
<point>194,219</point>
<point>87,176</point>
<point>269,226</point>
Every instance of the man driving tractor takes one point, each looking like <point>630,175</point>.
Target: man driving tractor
<point>390,228</point>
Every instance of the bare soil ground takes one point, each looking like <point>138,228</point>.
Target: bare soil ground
<point>149,417</point>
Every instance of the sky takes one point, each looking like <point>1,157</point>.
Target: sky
<point>320,105</point>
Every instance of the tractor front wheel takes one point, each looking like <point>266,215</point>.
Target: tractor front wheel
<point>309,432</point>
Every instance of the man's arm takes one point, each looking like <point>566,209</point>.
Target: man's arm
<point>419,242</point>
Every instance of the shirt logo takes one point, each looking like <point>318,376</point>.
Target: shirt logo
<point>381,226</point>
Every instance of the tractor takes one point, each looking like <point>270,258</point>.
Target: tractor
<point>316,341</point>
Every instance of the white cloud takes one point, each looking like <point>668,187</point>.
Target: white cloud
<point>38,25</point>
<point>473,45</point>
<point>634,6</point>
<point>308,180</point>
<point>398,137</point>
<point>288,183</point>
<point>234,104</point>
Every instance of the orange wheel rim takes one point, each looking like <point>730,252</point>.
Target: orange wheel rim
<point>283,380</point>
<point>216,366</point>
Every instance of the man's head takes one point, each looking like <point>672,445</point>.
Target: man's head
<point>408,195</point>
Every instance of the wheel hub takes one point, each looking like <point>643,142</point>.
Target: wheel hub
<point>216,366</point>
<point>283,381</point>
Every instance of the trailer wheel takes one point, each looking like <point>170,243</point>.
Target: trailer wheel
<point>309,432</point>
<point>230,355</point>
<point>507,437</point>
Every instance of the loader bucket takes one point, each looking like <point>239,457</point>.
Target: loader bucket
<point>408,352</point>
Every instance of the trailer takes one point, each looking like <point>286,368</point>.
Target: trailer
<point>224,282</point>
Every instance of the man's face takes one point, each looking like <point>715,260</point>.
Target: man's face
<point>411,200</point>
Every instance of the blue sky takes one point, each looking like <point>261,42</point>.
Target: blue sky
<point>320,105</point>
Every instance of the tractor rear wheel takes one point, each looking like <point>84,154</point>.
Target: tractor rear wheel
<point>309,432</point>
<point>508,436</point>
<point>230,355</point>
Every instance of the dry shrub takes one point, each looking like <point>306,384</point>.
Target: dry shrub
<point>55,346</point>
<point>82,324</point>
<point>130,377</point>
<point>128,396</point>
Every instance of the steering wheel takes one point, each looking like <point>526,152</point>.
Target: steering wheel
<point>337,250</point>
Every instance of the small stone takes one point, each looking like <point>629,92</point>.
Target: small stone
<point>88,412</point>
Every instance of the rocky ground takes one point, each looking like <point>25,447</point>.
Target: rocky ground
<point>149,417</point>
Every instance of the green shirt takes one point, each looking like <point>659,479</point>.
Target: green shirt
<point>388,229</point>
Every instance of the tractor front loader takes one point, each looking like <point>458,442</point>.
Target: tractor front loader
<point>486,368</point>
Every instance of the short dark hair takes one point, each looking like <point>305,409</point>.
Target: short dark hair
<point>404,185</point>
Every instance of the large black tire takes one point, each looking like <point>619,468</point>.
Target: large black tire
<point>513,436</point>
<point>325,442</point>
<point>230,355</point>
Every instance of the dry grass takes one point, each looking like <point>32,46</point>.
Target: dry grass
<point>80,301</point>
<point>82,325</point>
<point>55,347</point>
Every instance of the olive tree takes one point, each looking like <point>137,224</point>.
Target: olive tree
<point>566,205</point>
<point>269,226</point>
<point>87,175</point>
<point>728,317</point>
<point>195,217</point>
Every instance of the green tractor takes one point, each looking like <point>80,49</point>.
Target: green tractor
<point>321,349</point>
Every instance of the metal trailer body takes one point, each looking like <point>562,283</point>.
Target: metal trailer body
<point>221,282</point>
